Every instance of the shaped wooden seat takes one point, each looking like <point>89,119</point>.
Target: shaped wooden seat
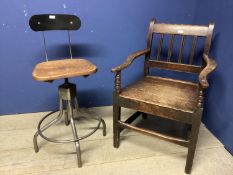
<point>65,68</point>
<point>169,93</point>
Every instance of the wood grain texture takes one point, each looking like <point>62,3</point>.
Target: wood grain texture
<point>194,45</point>
<point>130,59</point>
<point>181,49</point>
<point>160,46</point>
<point>59,69</point>
<point>170,48</point>
<point>174,66</point>
<point>210,66</point>
<point>181,29</point>
<point>159,91</point>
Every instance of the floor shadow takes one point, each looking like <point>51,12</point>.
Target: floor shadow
<point>164,126</point>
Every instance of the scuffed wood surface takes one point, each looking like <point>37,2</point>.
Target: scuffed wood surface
<point>170,93</point>
<point>59,69</point>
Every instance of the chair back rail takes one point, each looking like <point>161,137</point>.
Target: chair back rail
<point>175,31</point>
<point>46,22</point>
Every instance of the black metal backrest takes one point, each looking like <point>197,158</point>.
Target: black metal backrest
<point>45,22</point>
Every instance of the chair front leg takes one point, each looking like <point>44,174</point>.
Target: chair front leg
<point>193,141</point>
<point>116,118</point>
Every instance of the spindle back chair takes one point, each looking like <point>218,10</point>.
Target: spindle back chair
<point>173,99</point>
<point>183,31</point>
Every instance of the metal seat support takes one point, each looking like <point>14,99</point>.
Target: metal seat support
<point>67,95</point>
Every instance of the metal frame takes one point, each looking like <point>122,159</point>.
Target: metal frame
<point>67,95</point>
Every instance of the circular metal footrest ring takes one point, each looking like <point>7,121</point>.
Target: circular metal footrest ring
<point>68,140</point>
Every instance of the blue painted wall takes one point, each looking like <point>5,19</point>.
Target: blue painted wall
<point>219,105</point>
<point>110,31</point>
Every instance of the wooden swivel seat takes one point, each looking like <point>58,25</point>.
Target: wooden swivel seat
<point>49,71</point>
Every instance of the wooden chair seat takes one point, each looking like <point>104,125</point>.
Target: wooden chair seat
<point>169,93</point>
<point>59,69</point>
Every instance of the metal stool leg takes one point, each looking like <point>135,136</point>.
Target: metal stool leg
<point>104,127</point>
<point>67,121</point>
<point>77,145</point>
<point>54,121</point>
<point>68,97</point>
<point>76,107</point>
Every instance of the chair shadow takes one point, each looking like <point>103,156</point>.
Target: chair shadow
<point>164,126</point>
<point>78,50</point>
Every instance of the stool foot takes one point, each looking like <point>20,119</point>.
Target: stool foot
<point>36,148</point>
<point>54,121</point>
<point>74,130</point>
<point>104,127</point>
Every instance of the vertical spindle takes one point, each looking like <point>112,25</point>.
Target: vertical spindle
<point>194,45</point>
<point>160,46</point>
<point>181,49</point>
<point>170,48</point>
<point>118,82</point>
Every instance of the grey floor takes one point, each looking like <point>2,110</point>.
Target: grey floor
<point>137,154</point>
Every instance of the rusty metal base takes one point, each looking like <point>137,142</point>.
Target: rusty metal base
<point>68,98</point>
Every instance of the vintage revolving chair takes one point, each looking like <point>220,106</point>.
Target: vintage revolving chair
<point>173,99</point>
<point>49,71</point>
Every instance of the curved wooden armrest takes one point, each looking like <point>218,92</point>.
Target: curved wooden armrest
<point>210,66</point>
<point>130,59</point>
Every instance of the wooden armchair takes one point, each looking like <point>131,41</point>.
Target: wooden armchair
<point>149,95</point>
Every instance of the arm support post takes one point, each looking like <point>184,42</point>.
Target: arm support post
<point>210,66</point>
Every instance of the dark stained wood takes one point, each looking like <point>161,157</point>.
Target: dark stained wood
<point>173,99</point>
<point>116,118</point>
<point>181,49</point>
<point>161,111</point>
<point>118,82</point>
<point>181,142</point>
<point>154,90</point>
<point>194,45</point>
<point>130,59</point>
<point>193,140</point>
<point>170,48</point>
<point>66,68</point>
<point>210,66</point>
<point>150,33</point>
<point>160,46</point>
<point>175,66</point>
<point>208,38</point>
<point>181,29</point>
